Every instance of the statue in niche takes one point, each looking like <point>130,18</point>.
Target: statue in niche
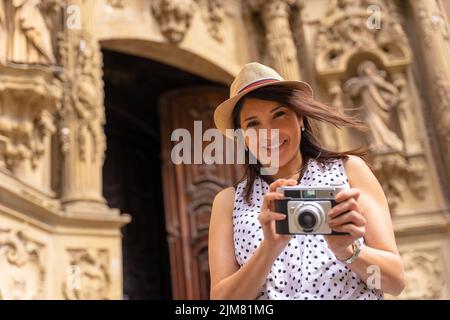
<point>29,37</point>
<point>378,98</point>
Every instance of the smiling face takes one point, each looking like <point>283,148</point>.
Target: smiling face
<point>262,114</point>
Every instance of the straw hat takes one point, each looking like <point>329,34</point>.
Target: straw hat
<point>252,76</point>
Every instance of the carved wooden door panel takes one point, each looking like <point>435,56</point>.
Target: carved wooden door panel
<point>189,189</point>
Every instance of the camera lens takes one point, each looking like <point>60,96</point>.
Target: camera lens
<point>307,220</point>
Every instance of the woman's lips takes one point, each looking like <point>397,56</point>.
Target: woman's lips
<point>279,145</point>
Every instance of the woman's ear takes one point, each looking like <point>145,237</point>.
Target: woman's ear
<point>300,122</point>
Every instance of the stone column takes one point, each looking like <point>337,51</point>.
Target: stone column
<point>82,116</point>
<point>432,28</point>
<point>281,49</point>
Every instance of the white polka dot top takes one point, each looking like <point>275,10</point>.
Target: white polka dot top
<point>307,268</point>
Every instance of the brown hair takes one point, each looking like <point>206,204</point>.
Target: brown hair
<point>310,147</point>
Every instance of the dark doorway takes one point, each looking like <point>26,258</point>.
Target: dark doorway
<point>132,180</point>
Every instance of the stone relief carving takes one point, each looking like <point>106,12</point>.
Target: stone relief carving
<point>398,174</point>
<point>88,275</point>
<point>431,26</point>
<point>379,98</point>
<point>174,17</point>
<point>26,33</point>
<point>24,137</point>
<point>213,13</point>
<point>28,99</point>
<point>85,99</point>
<point>343,41</point>
<point>423,272</point>
<point>406,114</point>
<point>343,32</point>
<point>22,273</point>
<point>442,88</point>
<point>367,67</point>
<point>29,92</point>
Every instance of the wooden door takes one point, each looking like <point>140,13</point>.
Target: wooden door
<point>190,189</point>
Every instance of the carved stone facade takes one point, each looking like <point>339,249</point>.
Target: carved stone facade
<point>23,272</point>
<point>60,239</point>
<point>88,275</point>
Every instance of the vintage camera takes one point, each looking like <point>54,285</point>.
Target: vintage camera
<point>306,209</point>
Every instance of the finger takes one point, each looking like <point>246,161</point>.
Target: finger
<point>355,231</point>
<point>350,204</point>
<point>346,194</point>
<point>277,183</point>
<point>282,182</point>
<point>269,197</point>
<point>268,216</point>
<point>349,217</point>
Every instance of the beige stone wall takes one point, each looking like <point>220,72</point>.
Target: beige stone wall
<point>54,224</point>
<point>202,46</point>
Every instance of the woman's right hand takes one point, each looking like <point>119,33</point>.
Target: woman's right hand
<point>267,217</point>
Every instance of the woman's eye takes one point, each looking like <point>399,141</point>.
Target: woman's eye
<point>279,114</point>
<point>252,124</point>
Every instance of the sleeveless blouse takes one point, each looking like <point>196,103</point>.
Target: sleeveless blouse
<point>307,268</point>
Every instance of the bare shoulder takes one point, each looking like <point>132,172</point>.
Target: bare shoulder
<point>225,196</point>
<point>355,163</point>
<point>224,199</point>
<point>361,176</point>
<point>357,169</point>
<point>221,212</point>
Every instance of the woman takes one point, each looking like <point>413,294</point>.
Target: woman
<point>248,259</point>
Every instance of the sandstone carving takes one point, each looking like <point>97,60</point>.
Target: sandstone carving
<point>87,276</point>
<point>174,17</point>
<point>22,270</point>
<point>379,98</point>
<point>29,39</point>
<point>423,275</point>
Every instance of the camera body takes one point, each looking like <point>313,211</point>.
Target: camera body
<point>307,209</point>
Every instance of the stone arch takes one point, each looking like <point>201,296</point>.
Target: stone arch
<point>175,56</point>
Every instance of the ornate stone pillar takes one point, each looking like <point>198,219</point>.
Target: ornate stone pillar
<point>82,117</point>
<point>281,49</point>
<point>432,27</point>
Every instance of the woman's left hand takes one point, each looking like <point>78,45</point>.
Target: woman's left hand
<point>346,216</point>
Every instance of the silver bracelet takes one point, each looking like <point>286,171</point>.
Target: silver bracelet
<point>356,246</point>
